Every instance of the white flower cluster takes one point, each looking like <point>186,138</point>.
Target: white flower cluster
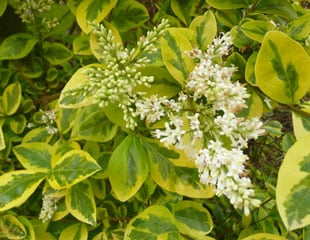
<point>47,119</point>
<point>203,121</point>
<point>115,83</point>
<point>29,10</point>
<point>49,207</point>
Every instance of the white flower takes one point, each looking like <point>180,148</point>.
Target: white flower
<point>49,207</point>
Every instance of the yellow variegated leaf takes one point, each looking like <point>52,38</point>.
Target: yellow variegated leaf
<point>34,156</point>
<point>192,219</point>
<point>12,228</point>
<point>264,236</point>
<point>156,222</point>
<point>292,193</point>
<point>128,167</point>
<point>81,202</point>
<point>11,98</point>
<point>205,30</point>
<point>301,124</point>
<point>173,48</point>
<point>81,45</point>
<point>183,9</point>
<point>76,231</point>
<point>2,142</point>
<point>93,11</point>
<point>17,186</point>
<point>30,233</point>
<point>71,168</point>
<point>278,69</point>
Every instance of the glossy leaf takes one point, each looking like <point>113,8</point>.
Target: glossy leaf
<point>280,8</point>
<point>293,195</point>
<point>81,45</point>
<point>30,234</point>
<point>205,30</point>
<point>301,124</point>
<point>17,186</point>
<point>182,180</point>
<point>17,46</point>
<point>256,29</point>
<point>34,156</point>
<point>3,5</point>
<point>65,118</point>
<point>76,81</point>
<point>76,231</point>
<point>264,236</point>
<point>192,219</point>
<point>18,123</point>
<point>278,72</point>
<point>12,228</point>
<point>129,14</point>
<point>250,69</point>
<point>128,167</point>
<point>95,127</point>
<point>229,18</point>
<point>81,202</point>
<point>56,53</point>
<point>37,135</point>
<point>93,11</point>
<point>299,28</point>
<point>11,98</point>
<point>183,9</point>
<point>156,222</point>
<point>229,4</point>
<point>71,168</point>
<point>173,47</point>
<point>2,142</point>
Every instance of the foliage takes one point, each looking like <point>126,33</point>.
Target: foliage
<point>161,119</point>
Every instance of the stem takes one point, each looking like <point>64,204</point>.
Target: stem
<point>253,6</point>
<point>296,110</point>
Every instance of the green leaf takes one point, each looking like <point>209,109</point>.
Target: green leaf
<point>93,11</point>
<point>128,167</point>
<point>256,29</point>
<point>129,14</point>
<point>11,99</point>
<point>301,124</point>
<point>183,9</point>
<point>2,142</point>
<point>34,156</point>
<point>12,228</point>
<point>156,222</point>
<point>71,168</point>
<point>238,61</point>
<point>17,186</point>
<point>69,100</point>
<point>299,28</point>
<point>182,180</point>
<point>240,40</point>
<point>173,47</point>
<point>293,193</point>
<point>95,127</point>
<point>18,123</point>
<point>30,234</point>
<point>65,118</point>
<point>264,236</point>
<point>280,8</point>
<point>229,18</point>
<point>205,30</point>
<point>250,69</point>
<point>76,231</point>
<point>3,5</point>
<point>37,135</point>
<point>192,219</point>
<point>81,45</point>
<point>81,202</point>
<point>278,71</point>
<point>56,53</point>
<point>163,85</point>
<point>17,46</point>
<point>229,4</point>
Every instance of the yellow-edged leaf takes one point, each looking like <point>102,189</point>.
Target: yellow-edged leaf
<point>76,231</point>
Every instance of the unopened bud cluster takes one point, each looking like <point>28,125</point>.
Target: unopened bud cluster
<point>115,82</point>
<point>49,207</point>
<point>31,10</point>
<point>203,122</point>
